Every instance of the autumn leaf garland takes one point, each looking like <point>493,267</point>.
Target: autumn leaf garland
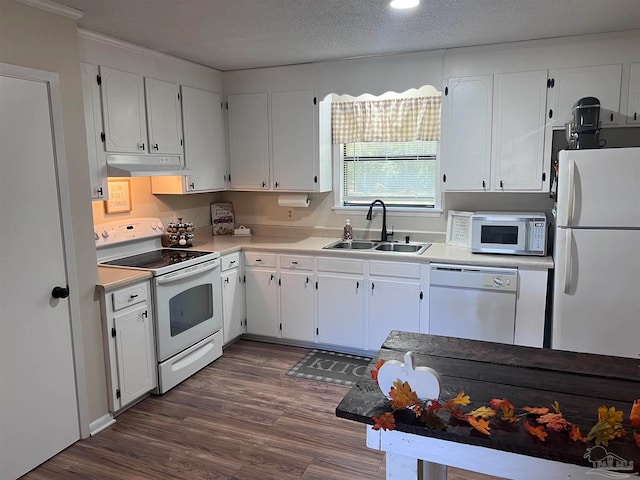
<point>608,427</point>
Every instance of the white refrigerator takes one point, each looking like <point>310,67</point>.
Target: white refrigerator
<point>596,303</point>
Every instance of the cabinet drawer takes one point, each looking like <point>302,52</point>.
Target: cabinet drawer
<point>230,261</point>
<point>296,262</point>
<point>341,265</point>
<point>129,296</point>
<point>394,269</point>
<point>256,259</point>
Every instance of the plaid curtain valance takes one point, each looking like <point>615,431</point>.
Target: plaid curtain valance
<point>393,120</point>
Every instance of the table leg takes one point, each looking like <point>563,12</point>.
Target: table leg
<point>433,471</point>
<point>400,467</point>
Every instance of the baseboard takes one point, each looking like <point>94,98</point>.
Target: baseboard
<point>100,424</point>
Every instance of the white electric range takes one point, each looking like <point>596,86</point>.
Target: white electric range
<point>186,293</point>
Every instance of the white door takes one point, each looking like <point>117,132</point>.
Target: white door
<point>39,407</point>
<point>125,124</point>
<point>297,306</point>
<point>596,302</point>
<point>341,310</point>
<point>164,117</point>
<point>262,302</point>
<point>249,141</point>
<point>393,305</point>
<point>232,305</point>
<point>135,349</point>
<point>520,107</point>
<point>293,127</point>
<point>633,104</point>
<point>466,157</point>
<point>205,147</point>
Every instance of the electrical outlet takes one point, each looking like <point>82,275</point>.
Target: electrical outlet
<point>290,213</point>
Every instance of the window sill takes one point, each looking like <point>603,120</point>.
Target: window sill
<point>395,211</point>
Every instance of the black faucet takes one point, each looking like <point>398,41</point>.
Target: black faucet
<point>383,235</point>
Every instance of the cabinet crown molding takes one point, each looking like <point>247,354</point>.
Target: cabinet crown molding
<point>54,7</point>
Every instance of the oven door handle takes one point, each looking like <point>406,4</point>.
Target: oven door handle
<point>165,279</point>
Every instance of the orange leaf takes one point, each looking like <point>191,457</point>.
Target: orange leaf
<point>461,399</point>
<point>636,435</point>
<point>498,403</point>
<point>634,416</point>
<point>536,431</point>
<point>536,410</point>
<point>554,421</point>
<point>575,435</point>
<point>508,414</point>
<point>384,421</point>
<point>402,396</point>
<point>479,424</point>
<point>374,372</point>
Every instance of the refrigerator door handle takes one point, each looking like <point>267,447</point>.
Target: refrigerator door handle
<point>567,260</point>
<point>571,166</point>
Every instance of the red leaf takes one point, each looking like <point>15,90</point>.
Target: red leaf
<point>386,421</point>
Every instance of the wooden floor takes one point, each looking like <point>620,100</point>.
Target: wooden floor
<point>240,418</point>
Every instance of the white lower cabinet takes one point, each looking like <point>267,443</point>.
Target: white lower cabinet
<point>232,297</point>
<point>261,292</point>
<point>130,347</point>
<point>395,298</point>
<point>297,298</point>
<point>341,287</point>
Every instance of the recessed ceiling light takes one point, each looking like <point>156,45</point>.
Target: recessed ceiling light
<point>404,4</point>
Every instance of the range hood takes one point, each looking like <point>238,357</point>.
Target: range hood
<point>145,166</point>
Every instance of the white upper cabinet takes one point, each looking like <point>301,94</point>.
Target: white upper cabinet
<point>205,148</point>
<point>466,142</point>
<point>126,119</point>
<point>123,111</point>
<point>163,116</point>
<point>519,132</point>
<point>249,141</point>
<point>293,129</point>
<point>93,129</point>
<point>496,135</point>
<point>571,84</point>
<point>633,107</point>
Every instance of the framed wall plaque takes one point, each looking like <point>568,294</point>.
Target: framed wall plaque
<point>119,196</point>
<point>459,228</point>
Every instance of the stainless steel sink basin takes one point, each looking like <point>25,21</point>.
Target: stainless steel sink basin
<point>373,246</point>
<point>354,244</point>
<point>416,248</point>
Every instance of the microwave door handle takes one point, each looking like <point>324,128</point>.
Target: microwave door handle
<point>163,280</point>
<point>567,260</point>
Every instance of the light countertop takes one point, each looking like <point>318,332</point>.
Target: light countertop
<point>111,278</point>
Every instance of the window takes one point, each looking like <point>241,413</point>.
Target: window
<point>399,173</point>
<point>388,149</point>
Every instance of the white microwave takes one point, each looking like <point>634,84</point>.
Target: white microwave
<point>511,233</point>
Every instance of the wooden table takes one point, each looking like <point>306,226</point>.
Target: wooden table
<point>525,376</point>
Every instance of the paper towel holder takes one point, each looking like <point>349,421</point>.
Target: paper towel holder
<point>294,200</point>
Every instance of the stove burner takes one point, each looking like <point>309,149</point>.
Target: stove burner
<point>156,258</point>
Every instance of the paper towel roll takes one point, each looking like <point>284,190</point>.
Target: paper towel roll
<point>299,200</point>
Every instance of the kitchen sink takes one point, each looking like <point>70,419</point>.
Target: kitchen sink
<point>373,246</point>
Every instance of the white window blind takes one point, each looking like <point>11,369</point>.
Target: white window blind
<point>399,173</point>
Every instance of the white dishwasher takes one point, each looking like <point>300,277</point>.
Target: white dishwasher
<point>472,302</point>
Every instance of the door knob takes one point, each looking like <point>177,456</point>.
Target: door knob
<point>60,292</point>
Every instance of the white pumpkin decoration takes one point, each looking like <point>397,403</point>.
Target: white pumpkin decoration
<point>424,381</point>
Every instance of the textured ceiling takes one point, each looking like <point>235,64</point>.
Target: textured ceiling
<point>236,34</point>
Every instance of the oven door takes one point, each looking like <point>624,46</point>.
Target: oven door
<point>495,236</point>
<point>188,307</point>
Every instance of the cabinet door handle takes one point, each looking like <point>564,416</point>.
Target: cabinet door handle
<point>99,190</point>
<point>294,263</point>
<point>192,185</point>
<point>611,117</point>
<point>226,280</point>
<point>484,184</point>
<point>635,116</point>
<point>155,147</point>
<point>501,184</point>
<point>357,285</point>
<point>373,285</point>
<point>272,276</point>
<point>232,262</point>
<point>264,184</point>
<point>133,296</point>
<point>307,280</point>
<point>142,146</point>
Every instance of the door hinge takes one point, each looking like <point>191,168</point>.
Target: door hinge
<point>421,295</point>
<point>446,91</point>
<point>103,137</point>
<point>113,332</point>
<point>117,393</point>
<point>98,79</point>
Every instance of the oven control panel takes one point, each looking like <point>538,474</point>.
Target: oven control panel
<point>112,233</point>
